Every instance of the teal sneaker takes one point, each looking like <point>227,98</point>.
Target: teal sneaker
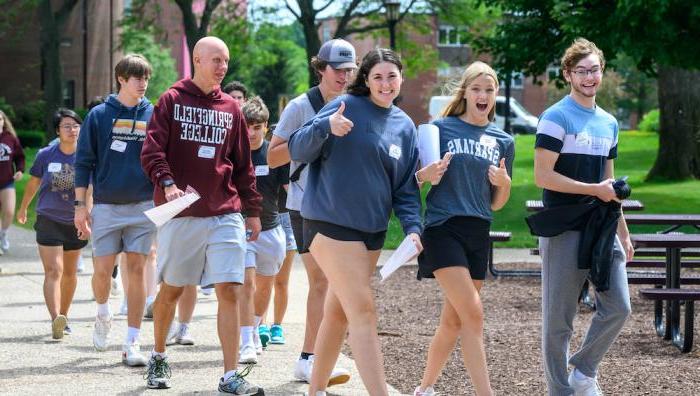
<point>277,335</point>
<point>264,333</point>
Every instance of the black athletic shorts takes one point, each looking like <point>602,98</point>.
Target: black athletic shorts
<point>53,233</point>
<point>298,230</point>
<point>372,240</point>
<point>459,242</point>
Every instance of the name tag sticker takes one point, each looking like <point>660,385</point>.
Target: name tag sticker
<point>262,170</point>
<point>583,139</point>
<point>488,141</point>
<point>54,167</point>
<point>394,151</point>
<point>206,151</point>
<point>118,145</point>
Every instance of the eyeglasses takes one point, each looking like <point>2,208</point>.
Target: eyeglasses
<point>68,127</point>
<point>596,72</point>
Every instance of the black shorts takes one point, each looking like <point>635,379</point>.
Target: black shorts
<point>53,233</point>
<point>372,240</point>
<point>298,230</point>
<point>459,242</point>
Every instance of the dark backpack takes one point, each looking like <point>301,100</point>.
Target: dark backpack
<point>317,103</point>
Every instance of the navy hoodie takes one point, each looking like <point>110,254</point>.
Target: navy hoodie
<point>109,152</point>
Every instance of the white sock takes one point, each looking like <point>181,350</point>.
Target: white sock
<point>258,320</point>
<point>3,232</point>
<point>103,310</point>
<point>184,327</point>
<point>161,355</point>
<point>580,376</point>
<point>229,374</point>
<point>247,335</point>
<point>132,335</point>
<point>150,299</point>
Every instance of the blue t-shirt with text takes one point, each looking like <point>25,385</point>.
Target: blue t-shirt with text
<point>57,190</point>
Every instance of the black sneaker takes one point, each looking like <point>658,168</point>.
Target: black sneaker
<point>158,374</point>
<point>67,330</point>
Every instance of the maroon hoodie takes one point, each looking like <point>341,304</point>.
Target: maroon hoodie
<point>11,157</point>
<point>202,141</point>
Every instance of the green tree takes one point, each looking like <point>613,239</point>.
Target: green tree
<point>659,35</point>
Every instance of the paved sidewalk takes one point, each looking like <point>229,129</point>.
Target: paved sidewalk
<point>33,363</point>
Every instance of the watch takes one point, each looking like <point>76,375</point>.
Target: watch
<point>167,183</point>
<point>78,203</point>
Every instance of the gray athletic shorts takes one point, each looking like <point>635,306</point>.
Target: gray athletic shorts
<point>120,228</point>
<point>267,252</point>
<point>286,224</point>
<point>202,250</point>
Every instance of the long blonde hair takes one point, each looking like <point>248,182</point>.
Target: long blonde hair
<point>7,125</point>
<point>458,104</point>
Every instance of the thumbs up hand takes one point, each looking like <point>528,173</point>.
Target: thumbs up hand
<point>340,126</point>
<point>498,176</point>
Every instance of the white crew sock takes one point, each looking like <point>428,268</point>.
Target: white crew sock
<point>229,374</point>
<point>103,310</point>
<point>247,335</point>
<point>132,335</point>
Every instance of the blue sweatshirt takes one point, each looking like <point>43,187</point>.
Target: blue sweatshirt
<point>109,151</point>
<point>355,180</point>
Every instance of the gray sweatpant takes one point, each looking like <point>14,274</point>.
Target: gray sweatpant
<point>561,286</point>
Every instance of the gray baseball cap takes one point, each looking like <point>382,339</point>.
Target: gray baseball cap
<point>338,53</point>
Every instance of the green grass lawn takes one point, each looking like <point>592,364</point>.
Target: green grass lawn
<point>637,151</point>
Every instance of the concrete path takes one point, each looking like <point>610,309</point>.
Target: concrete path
<point>33,363</point>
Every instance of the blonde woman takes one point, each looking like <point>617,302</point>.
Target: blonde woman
<point>473,183</point>
<point>11,170</point>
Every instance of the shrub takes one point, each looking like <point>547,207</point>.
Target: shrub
<point>7,109</point>
<point>29,138</point>
<point>31,116</point>
<point>650,121</point>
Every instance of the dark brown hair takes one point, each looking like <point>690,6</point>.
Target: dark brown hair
<point>359,86</point>
<point>255,111</point>
<point>132,65</point>
<point>317,65</point>
<point>578,50</point>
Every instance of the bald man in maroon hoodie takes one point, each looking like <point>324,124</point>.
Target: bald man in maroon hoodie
<point>198,137</point>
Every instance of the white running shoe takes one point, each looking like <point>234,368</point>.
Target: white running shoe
<point>132,357</point>
<point>302,370</point>
<point>124,308</point>
<point>338,376</point>
<point>100,334</point>
<point>179,334</point>
<point>81,265</point>
<point>247,355</point>
<point>429,391</point>
<point>207,291</point>
<point>5,243</point>
<point>584,387</point>
<point>257,342</point>
<point>116,288</point>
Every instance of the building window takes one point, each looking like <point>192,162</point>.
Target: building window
<point>452,36</point>
<point>516,81</point>
<point>553,72</point>
<point>69,94</point>
<point>325,33</point>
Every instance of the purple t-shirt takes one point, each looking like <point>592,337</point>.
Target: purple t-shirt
<point>57,188</point>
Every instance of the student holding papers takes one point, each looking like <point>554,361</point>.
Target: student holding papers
<point>362,155</point>
<point>458,217</point>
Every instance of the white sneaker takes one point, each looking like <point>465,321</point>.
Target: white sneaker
<point>207,291</point>
<point>100,334</point>
<point>247,355</point>
<point>257,343</point>
<point>124,308</point>
<point>148,310</point>
<point>303,368</point>
<point>584,387</point>
<point>132,357</point>
<point>179,335</point>
<point>81,265</point>
<point>116,288</point>
<point>429,391</point>
<point>5,243</point>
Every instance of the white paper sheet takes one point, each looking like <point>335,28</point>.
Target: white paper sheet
<point>405,252</point>
<point>163,213</point>
<point>428,144</point>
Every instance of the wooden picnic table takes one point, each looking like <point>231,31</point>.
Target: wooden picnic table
<point>673,243</point>
<point>627,204</point>
<point>676,221</point>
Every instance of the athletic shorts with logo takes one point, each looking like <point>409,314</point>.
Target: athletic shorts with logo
<point>267,252</point>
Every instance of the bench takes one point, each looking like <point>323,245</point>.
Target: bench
<point>500,236</point>
<point>690,253</point>
<point>683,341</point>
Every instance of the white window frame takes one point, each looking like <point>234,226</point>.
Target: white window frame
<point>448,29</point>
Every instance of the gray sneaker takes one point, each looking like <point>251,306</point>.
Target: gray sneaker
<point>5,242</point>
<point>158,373</point>
<point>237,384</point>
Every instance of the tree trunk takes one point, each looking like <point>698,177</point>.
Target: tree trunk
<point>313,44</point>
<point>679,136</point>
<point>51,62</point>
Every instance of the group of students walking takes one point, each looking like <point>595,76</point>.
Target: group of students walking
<point>354,160</point>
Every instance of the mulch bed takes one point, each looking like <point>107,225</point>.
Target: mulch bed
<point>639,363</point>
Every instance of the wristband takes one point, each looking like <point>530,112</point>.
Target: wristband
<point>78,203</point>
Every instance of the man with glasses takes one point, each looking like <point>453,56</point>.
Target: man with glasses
<point>575,146</point>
